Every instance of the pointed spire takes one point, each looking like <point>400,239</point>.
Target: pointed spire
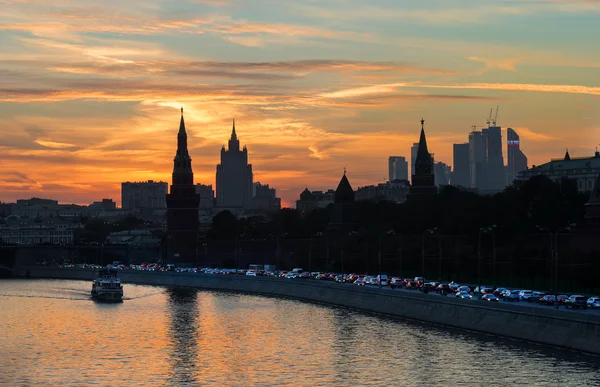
<point>422,150</point>
<point>182,123</point>
<point>567,156</point>
<point>344,192</point>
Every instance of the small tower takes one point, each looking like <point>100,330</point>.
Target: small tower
<point>423,181</point>
<point>182,205</point>
<point>567,156</point>
<point>344,215</point>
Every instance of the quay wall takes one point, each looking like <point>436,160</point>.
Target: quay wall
<point>562,328</point>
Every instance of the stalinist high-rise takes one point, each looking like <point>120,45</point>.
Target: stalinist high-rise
<point>234,176</point>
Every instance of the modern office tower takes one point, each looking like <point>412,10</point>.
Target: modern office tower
<point>441,171</point>
<point>182,205</point>
<point>517,161</point>
<point>397,168</point>
<point>477,160</point>
<point>461,176</point>
<point>413,157</point>
<point>423,181</point>
<point>143,195</point>
<point>234,176</point>
<point>496,179</point>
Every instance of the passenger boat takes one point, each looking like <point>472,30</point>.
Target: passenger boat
<point>107,286</point>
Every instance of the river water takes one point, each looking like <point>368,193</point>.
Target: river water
<point>53,334</point>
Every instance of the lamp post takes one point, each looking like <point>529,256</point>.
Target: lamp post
<point>554,254</point>
<point>389,232</point>
<point>430,231</point>
<point>489,229</point>
<point>310,255</point>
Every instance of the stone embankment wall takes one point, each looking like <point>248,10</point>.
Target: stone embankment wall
<point>563,328</point>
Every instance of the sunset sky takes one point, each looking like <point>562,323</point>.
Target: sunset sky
<point>90,91</point>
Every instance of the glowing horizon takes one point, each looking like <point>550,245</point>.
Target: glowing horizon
<point>90,94</point>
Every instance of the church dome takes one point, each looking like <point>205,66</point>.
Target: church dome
<point>344,192</point>
<point>306,195</point>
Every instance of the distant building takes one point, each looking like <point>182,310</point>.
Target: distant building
<point>496,179</point>
<point>315,199</point>
<point>265,198</point>
<point>143,195</point>
<point>517,161</point>
<point>394,191</point>
<point>413,157</point>
<point>35,231</point>
<point>105,204</point>
<point>344,215</point>
<point>584,170</point>
<point>397,168</point>
<point>234,176</point>
<point>207,195</point>
<point>441,171</point>
<point>477,160</point>
<point>461,176</point>
<point>423,181</point>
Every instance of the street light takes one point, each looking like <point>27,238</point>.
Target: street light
<point>489,229</point>
<point>430,231</point>
<point>389,232</point>
<point>554,253</point>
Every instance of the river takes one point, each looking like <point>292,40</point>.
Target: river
<point>53,334</point>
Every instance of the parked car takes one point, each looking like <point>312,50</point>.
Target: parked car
<point>593,302</point>
<point>576,302</point>
<point>396,282</point>
<point>548,300</point>
<point>535,297</point>
<point>562,299</point>
<point>499,292</point>
<point>512,296</point>
<point>490,298</point>
<point>525,294</point>
<point>464,288</point>
<point>464,295</point>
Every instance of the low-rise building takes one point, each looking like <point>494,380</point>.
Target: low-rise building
<point>17,230</point>
<point>316,199</point>
<point>583,170</point>
<point>394,191</point>
<point>265,198</point>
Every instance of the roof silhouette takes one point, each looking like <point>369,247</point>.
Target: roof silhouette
<point>344,192</point>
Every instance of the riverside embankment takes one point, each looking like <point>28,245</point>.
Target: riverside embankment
<point>562,328</point>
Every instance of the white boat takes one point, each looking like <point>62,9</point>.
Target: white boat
<point>107,286</point>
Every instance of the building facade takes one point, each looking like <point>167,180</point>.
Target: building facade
<point>423,181</point>
<point>143,195</point>
<point>477,160</point>
<point>413,157</point>
<point>316,199</point>
<point>517,161</point>
<point>397,168</point>
<point>55,231</point>
<point>584,170</point>
<point>265,198</point>
<point>441,171</point>
<point>207,195</point>
<point>234,176</point>
<point>461,176</point>
<point>394,191</point>
<point>182,205</point>
<point>496,179</point>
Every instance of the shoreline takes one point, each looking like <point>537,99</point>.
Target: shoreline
<point>563,329</point>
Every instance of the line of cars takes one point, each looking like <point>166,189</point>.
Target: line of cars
<point>487,293</point>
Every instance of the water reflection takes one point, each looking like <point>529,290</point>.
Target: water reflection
<point>183,349</point>
<point>175,337</point>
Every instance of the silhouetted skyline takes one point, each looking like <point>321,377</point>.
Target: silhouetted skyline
<point>89,92</point>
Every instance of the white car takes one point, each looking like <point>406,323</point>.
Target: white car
<point>593,302</point>
<point>251,273</point>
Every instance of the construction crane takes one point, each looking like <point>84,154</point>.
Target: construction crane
<point>496,116</point>
<point>489,120</point>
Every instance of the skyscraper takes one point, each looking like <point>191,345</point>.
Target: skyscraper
<point>496,179</point>
<point>423,181</point>
<point>413,157</point>
<point>397,168</point>
<point>461,175</point>
<point>441,171</point>
<point>477,160</point>
<point>182,204</point>
<point>517,161</point>
<point>234,176</point>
